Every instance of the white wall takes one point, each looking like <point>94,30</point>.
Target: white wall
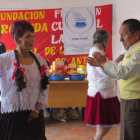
<point>48,4</point>
<point>122,9</point>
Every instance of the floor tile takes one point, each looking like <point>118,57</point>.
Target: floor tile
<point>75,130</point>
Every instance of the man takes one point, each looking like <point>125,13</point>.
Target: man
<point>2,46</point>
<point>129,74</point>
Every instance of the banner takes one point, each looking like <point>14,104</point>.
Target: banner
<point>49,31</point>
<point>79,26</point>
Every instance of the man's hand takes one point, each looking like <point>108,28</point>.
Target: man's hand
<point>120,58</point>
<point>100,59</point>
<point>92,61</point>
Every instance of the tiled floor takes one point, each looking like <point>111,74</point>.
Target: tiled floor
<point>75,130</point>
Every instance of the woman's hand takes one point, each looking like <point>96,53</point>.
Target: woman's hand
<point>34,113</point>
<point>38,106</point>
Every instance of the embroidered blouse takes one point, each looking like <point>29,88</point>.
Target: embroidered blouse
<point>13,100</point>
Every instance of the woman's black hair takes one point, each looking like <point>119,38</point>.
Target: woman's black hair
<point>18,28</point>
<point>19,78</point>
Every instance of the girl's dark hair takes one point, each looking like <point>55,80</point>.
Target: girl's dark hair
<point>19,78</point>
<point>99,36</point>
<point>18,28</point>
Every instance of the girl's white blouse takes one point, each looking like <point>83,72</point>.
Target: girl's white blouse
<point>98,81</point>
<point>11,99</point>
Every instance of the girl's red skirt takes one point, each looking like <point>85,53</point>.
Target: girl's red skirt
<point>102,112</point>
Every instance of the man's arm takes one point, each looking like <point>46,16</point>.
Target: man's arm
<point>117,71</point>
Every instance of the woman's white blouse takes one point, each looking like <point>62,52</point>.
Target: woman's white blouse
<point>98,81</point>
<point>11,99</point>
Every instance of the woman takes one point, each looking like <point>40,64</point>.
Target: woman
<point>24,88</point>
<point>102,105</point>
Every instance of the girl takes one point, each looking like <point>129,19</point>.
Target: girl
<point>102,105</point>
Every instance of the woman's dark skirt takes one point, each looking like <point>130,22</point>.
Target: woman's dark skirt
<point>15,126</point>
<point>102,112</point>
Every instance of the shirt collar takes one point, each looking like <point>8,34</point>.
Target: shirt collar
<point>133,47</point>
